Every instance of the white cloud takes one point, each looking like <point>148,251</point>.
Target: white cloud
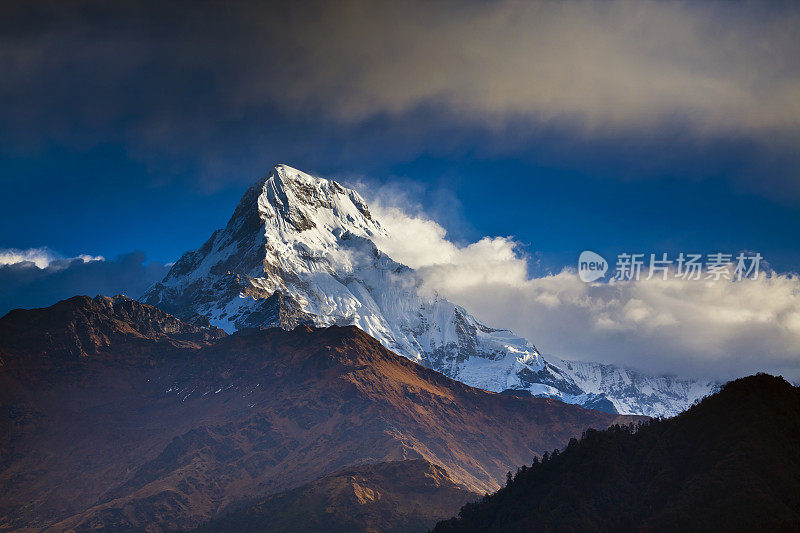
<point>41,257</point>
<point>86,258</point>
<point>422,244</point>
<point>696,328</point>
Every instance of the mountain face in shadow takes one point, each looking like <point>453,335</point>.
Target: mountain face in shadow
<point>115,414</point>
<point>730,463</point>
<point>82,327</point>
<point>390,497</point>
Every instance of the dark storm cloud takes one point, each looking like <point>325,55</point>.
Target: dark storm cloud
<point>24,285</point>
<point>218,89</point>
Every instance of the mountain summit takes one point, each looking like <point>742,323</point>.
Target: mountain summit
<point>301,250</point>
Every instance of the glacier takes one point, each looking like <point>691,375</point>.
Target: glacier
<point>300,249</point>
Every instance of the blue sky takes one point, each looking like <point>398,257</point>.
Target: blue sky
<point>102,202</point>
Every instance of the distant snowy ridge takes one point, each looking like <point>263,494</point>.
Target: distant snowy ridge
<point>301,250</point>
<point>633,391</point>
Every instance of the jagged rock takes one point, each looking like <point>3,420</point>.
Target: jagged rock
<point>301,250</point>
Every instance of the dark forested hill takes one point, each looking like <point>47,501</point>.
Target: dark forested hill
<point>732,462</point>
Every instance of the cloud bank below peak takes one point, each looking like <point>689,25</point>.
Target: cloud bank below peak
<point>717,330</point>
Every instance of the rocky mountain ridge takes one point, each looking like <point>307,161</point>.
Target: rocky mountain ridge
<point>301,250</point>
<point>168,437</point>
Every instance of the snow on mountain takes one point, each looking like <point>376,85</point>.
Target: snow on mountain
<point>300,250</point>
<point>632,391</point>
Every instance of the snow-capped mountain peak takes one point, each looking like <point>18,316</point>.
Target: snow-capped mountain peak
<point>301,250</point>
<point>298,203</point>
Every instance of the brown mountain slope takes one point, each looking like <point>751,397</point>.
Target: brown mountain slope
<point>171,439</point>
<point>390,497</point>
<point>85,327</point>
